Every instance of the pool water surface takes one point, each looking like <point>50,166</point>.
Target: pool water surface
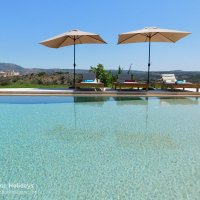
<point>99,148</point>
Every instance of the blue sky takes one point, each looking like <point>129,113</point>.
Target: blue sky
<point>25,23</point>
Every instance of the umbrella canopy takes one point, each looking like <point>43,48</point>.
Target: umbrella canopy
<point>72,38</point>
<point>151,34</point>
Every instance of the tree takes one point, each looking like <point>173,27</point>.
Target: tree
<point>129,70</point>
<point>102,74</point>
<point>98,70</point>
<point>119,70</point>
<point>41,74</point>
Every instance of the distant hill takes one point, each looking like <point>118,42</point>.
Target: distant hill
<point>192,76</point>
<point>23,71</point>
<point>10,66</point>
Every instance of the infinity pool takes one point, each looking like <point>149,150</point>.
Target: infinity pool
<point>58,148</point>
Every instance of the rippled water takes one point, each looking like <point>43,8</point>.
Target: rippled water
<point>99,148</point>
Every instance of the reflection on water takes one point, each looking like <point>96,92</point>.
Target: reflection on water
<point>120,100</point>
<point>95,100</point>
<point>99,100</point>
<point>130,100</point>
<point>179,101</point>
<point>141,140</point>
<point>60,132</point>
<point>127,98</point>
<point>35,99</point>
<point>79,99</point>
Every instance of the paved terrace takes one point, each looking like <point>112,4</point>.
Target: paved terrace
<point>107,92</point>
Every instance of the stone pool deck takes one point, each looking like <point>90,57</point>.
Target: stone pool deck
<point>107,92</point>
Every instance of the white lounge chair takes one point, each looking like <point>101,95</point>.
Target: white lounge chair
<point>168,78</point>
<point>170,81</point>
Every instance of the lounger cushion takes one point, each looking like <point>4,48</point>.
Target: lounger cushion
<point>88,81</point>
<point>129,81</point>
<point>180,81</point>
<point>169,81</point>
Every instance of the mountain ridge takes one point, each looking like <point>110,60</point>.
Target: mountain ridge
<point>11,66</point>
<point>192,76</point>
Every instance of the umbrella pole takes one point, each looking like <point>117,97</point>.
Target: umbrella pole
<point>74,64</point>
<point>149,62</point>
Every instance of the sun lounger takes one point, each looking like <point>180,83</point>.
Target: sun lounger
<point>125,81</point>
<point>89,81</point>
<point>170,81</point>
<point>168,78</point>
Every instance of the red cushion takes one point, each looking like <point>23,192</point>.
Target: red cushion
<point>129,81</point>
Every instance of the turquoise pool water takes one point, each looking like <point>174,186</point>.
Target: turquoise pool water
<point>58,148</point>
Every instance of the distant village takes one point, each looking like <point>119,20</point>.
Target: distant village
<point>9,73</point>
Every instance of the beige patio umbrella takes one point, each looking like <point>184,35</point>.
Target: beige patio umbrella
<point>73,37</point>
<point>151,34</point>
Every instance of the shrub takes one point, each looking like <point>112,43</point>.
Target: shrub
<point>6,82</point>
<point>106,77</point>
<point>41,74</point>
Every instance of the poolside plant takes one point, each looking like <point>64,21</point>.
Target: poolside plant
<point>106,77</point>
<point>119,70</point>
